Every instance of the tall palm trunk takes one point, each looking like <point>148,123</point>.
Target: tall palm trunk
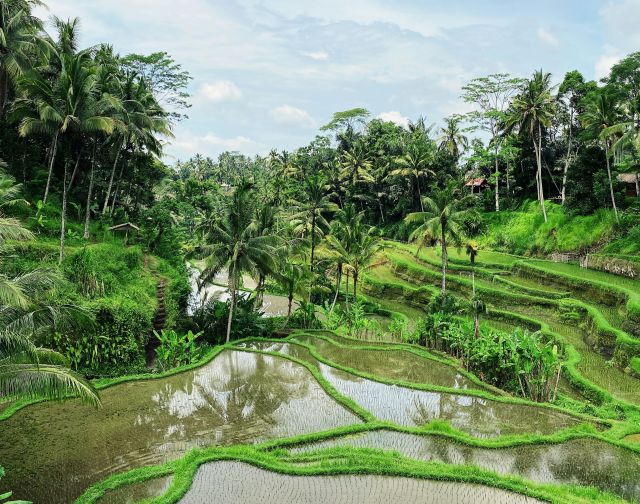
<point>113,174</point>
<point>338,280</point>
<point>613,198</point>
<point>566,161</point>
<point>117,189</point>
<point>260,291</point>
<point>537,147</point>
<point>347,290</point>
<point>290,299</point>
<point>232,288</point>
<point>313,238</point>
<point>419,193</point>
<point>54,150</point>
<point>497,180</point>
<point>75,170</point>
<point>443,244</point>
<point>87,212</point>
<point>63,220</point>
<point>355,286</point>
<point>4,90</point>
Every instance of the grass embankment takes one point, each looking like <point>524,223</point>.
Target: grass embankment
<point>585,369</point>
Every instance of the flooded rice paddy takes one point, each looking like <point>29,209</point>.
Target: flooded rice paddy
<point>54,451</point>
<point>228,479</point>
<point>579,461</point>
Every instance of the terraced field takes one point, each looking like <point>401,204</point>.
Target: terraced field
<point>320,417</point>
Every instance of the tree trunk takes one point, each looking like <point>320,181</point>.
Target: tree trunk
<point>347,290</point>
<point>63,220</point>
<point>4,90</point>
<point>419,194</point>
<point>637,184</point>
<point>497,180</point>
<point>232,288</point>
<point>338,280</point>
<point>113,173</point>
<point>75,170</point>
<point>117,190</point>
<point>613,198</point>
<point>260,291</point>
<point>290,304</point>
<point>54,150</point>
<point>443,243</point>
<point>87,213</point>
<point>567,160</point>
<point>313,238</point>
<point>538,151</point>
<point>381,210</point>
<point>355,286</point>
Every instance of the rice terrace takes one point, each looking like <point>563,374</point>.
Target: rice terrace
<point>214,288</point>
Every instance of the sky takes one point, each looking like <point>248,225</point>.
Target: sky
<point>268,73</point>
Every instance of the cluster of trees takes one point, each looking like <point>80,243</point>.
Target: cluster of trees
<point>83,126</point>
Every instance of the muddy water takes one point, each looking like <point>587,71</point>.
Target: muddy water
<point>53,451</point>
<point>391,364</point>
<point>580,461</point>
<point>238,483</point>
<point>476,416</point>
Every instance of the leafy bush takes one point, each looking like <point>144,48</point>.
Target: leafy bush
<point>176,350</point>
<point>211,320</point>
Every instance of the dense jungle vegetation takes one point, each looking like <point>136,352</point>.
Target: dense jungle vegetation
<point>436,235</point>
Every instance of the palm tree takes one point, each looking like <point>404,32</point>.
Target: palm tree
<point>308,216</point>
<point>346,221</point>
<point>356,165</point>
<point>18,41</point>
<point>230,242</point>
<point>263,225</point>
<point>414,165</point>
<point>600,115</point>
<point>442,221</point>
<point>294,278</point>
<point>531,111</point>
<point>452,139</point>
<point>356,249</point>
<point>25,370</point>
<point>138,121</point>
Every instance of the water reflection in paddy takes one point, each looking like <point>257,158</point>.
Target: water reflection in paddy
<point>391,364</point>
<point>238,483</point>
<point>53,451</point>
<point>477,416</point>
<point>580,461</point>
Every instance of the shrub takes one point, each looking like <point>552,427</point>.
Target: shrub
<point>176,350</point>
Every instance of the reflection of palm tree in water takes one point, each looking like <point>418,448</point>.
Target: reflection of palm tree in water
<point>238,389</point>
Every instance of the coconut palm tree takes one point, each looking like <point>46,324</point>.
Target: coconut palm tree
<point>138,123</point>
<point>531,111</point>
<point>18,41</point>
<point>294,279</point>
<point>452,139</point>
<point>442,221</point>
<point>600,115</point>
<point>414,166</point>
<point>308,216</point>
<point>230,242</point>
<point>356,165</point>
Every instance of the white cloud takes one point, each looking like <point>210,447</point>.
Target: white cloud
<point>548,38</point>
<point>394,117</point>
<point>605,62</point>
<point>219,91</point>
<point>292,116</point>
<point>621,23</point>
<point>316,55</point>
<point>186,144</point>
